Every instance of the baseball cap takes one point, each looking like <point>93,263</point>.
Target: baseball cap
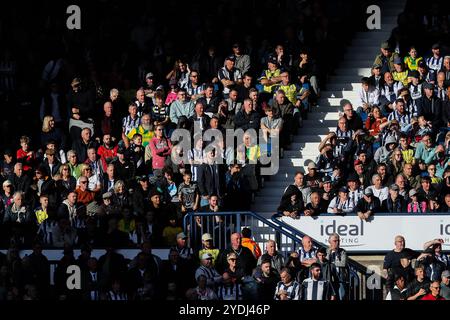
<point>376,66</point>
<point>445,274</point>
<point>385,45</point>
<point>149,75</point>
<point>231,58</point>
<point>312,165</point>
<point>326,179</point>
<point>353,177</point>
<point>181,235</point>
<point>121,150</point>
<point>343,189</point>
<point>412,192</point>
<point>207,256</point>
<point>273,60</point>
<point>206,237</point>
<point>357,163</point>
<point>397,60</point>
<point>435,46</point>
<point>107,195</point>
<point>75,82</point>
<point>394,187</point>
<point>368,192</point>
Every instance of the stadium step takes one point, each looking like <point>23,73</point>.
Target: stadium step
<point>342,85</point>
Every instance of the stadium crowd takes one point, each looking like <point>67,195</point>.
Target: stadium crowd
<point>107,168</point>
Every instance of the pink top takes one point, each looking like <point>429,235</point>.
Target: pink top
<point>417,207</point>
<point>161,149</point>
<point>171,97</point>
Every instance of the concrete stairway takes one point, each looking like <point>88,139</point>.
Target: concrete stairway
<point>357,62</point>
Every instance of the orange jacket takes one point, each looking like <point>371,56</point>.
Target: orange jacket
<point>252,245</point>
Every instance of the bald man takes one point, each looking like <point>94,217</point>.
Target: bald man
<point>245,258</point>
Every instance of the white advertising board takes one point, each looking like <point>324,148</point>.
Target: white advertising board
<point>377,234</point>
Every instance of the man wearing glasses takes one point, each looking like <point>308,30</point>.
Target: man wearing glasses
<point>435,290</point>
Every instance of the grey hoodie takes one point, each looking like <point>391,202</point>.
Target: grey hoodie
<point>383,153</point>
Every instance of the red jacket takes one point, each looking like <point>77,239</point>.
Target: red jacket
<point>105,154</point>
<point>431,297</point>
<point>25,160</point>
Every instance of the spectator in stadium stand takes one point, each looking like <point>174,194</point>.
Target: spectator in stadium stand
<point>368,205</point>
<point>209,100</point>
<point>51,133</point>
<point>51,163</point>
<point>329,191</point>
<point>161,149</point>
<point>271,126</point>
<point>392,260</point>
<point>445,285</point>
<point>314,178</point>
<point>354,120</point>
<point>80,97</point>
<point>275,258</point>
<point>307,66</point>
<point>341,204</point>
<point>315,288</point>
<point>242,60</point>
<point>437,261</point>
<point>249,243</point>
<point>284,110</point>
<point>426,189</point>
<point>435,287</point>
<point>386,58</point>
<point>20,180</point>
<point>247,117</point>
<point>400,74</point>
<point>430,107</point>
<point>109,124</point>
<point>177,270</point>
<point>415,205</point>
<point>184,251</point>
<point>131,121</point>
<point>145,129</point>
<point>398,292</point>
<point>287,288</point>
<point>329,272</point>
<point>107,151</point>
<point>368,97</point>
<point>384,153</point>
<point>207,247</point>
<point>232,270</point>
<point>213,278</point>
<point>83,143</point>
<point>420,286</point>
<point>267,278</point>
<point>291,204</point>
<point>84,195</point>
<point>202,291</point>
<point>194,87</point>
<point>245,258</point>
<point>142,102</point>
<point>338,258</point>
<point>270,77</point>
<point>376,79</point>
<point>317,204</point>
<point>19,220</point>
<point>199,120</point>
<point>373,123</point>
<point>440,89</point>
<point>378,189</point>
<point>394,203</point>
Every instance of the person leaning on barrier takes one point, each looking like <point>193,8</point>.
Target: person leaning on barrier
<point>367,205</point>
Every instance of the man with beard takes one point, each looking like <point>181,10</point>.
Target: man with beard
<point>107,151</point>
<point>145,129</point>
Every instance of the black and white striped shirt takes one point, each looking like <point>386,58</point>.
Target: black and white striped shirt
<point>303,255</point>
<point>403,119</point>
<point>209,273</point>
<point>415,91</point>
<point>230,293</point>
<point>441,93</point>
<point>435,64</point>
<point>45,231</point>
<point>293,290</point>
<point>116,296</point>
<point>316,290</point>
<point>129,124</point>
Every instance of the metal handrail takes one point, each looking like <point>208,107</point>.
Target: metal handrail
<point>358,270</point>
